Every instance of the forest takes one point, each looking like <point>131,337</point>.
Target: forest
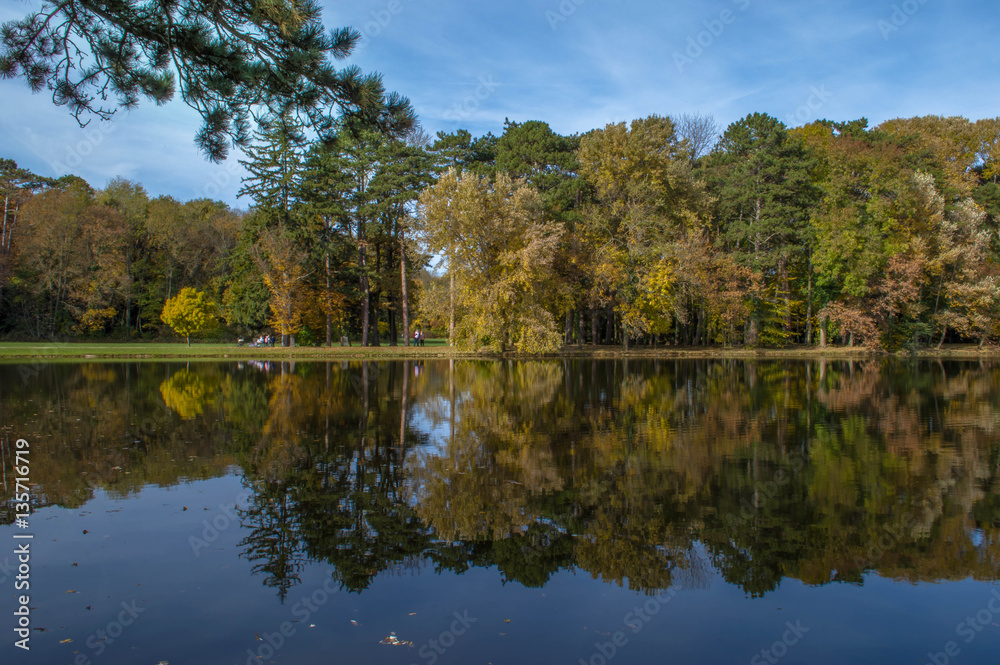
<point>665,231</point>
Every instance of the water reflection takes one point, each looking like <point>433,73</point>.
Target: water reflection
<point>643,474</point>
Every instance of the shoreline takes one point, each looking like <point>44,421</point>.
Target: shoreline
<point>20,351</point>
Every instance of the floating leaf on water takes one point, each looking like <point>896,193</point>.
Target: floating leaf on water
<point>65,641</point>
<point>395,641</point>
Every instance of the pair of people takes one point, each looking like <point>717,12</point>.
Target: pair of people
<point>263,340</point>
<point>418,337</point>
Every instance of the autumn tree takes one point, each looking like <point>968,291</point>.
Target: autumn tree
<point>645,198</point>
<point>503,260</point>
<point>282,264</point>
<point>16,187</point>
<point>190,312</point>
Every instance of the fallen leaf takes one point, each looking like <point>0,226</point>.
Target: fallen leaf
<point>65,641</point>
<point>395,641</point>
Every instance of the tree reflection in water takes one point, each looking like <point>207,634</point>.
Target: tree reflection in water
<point>642,473</point>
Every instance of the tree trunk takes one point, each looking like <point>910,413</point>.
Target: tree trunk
<point>568,334</point>
<point>579,329</point>
<point>406,306</point>
<point>451,310</point>
<point>373,336</point>
<point>365,294</point>
<point>944,332</point>
<point>822,333</point>
<point>329,314</point>
<point>393,332</point>
<point>593,326</point>
<point>809,307</point>
<point>189,340</point>
<point>786,294</point>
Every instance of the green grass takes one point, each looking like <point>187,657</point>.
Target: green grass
<point>434,348</point>
<point>86,350</point>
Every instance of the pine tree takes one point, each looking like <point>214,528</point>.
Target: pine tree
<point>761,179</point>
<point>231,62</point>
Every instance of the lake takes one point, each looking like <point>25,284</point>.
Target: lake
<point>504,512</point>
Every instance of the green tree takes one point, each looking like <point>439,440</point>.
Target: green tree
<point>231,63</point>
<point>132,265</point>
<point>548,162</point>
<point>190,312</point>
<point>760,177</point>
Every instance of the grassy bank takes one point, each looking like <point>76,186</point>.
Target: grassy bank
<point>12,351</point>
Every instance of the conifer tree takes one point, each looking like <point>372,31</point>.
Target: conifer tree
<point>231,62</point>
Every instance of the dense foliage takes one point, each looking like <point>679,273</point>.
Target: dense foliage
<point>635,233</point>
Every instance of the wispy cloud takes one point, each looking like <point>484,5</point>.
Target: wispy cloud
<point>606,62</point>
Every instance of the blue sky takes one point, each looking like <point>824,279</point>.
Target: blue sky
<point>576,64</point>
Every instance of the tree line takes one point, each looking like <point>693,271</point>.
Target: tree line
<point>662,231</point>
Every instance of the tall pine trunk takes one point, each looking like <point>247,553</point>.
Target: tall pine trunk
<point>329,314</point>
<point>406,306</point>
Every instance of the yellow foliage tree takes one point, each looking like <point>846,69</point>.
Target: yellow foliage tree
<point>281,262</point>
<point>503,253</point>
<point>190,312</point>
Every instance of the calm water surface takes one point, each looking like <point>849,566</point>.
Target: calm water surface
<point>506,512</point>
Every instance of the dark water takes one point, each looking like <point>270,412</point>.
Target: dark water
<point>506,512</point>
